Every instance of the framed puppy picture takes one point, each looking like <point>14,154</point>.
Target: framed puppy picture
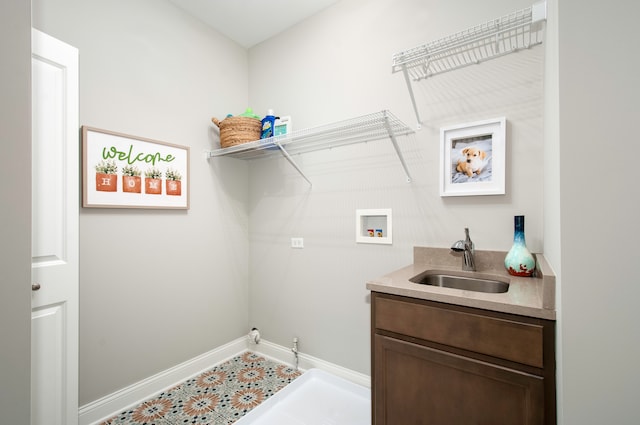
<point>472,158</point>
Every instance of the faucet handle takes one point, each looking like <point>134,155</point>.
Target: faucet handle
<point>467,241</point>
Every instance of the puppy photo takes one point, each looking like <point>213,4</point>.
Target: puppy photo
<point>472,158</point>
<point>472,161</point>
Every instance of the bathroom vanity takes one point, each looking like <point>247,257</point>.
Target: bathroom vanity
<point>447,356</point>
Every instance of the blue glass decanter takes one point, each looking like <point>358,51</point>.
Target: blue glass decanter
<point>519,260</point>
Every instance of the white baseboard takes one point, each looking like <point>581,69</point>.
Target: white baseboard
<point>305,362</point>
<point>104,408</point>
<point>114,403</point>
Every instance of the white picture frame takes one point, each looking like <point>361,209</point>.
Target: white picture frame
<point>472,158</point>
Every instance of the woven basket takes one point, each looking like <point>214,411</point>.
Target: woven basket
<point>238,130</point>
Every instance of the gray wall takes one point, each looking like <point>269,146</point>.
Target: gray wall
<point>598,108</point>
<point>337,65</point>
<point>15,226</point>
<point>157,287</point>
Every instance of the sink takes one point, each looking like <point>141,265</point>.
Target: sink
<point>466,283</point>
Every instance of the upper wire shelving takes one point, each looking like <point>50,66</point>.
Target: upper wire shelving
<point>375,126</point>
<point>519,30</point>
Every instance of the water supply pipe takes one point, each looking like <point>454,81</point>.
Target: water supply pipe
<point>294,350</point>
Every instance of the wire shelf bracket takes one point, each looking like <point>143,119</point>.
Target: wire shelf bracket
<point>292,162</point>
<point>375,126</point>
<point>522,29</point>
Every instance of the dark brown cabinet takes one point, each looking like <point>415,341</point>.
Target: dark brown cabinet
<point>441,364</point>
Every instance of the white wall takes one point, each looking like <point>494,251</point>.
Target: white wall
<point>552,196</point>
<point>157,287</point>
<point>337,65</point>
<point>598,108</point>
<point>15,226</point>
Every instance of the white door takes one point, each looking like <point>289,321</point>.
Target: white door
<point>55,206</point>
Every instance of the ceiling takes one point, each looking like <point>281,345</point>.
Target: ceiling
<point>249,22</point>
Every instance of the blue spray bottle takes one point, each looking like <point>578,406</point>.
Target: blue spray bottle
<point>268,123</point>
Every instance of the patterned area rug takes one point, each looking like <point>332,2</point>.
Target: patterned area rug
<point>221,395</point>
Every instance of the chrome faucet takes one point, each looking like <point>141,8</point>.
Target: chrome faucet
<point>466,247</point>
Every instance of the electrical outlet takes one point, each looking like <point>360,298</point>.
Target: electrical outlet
<point>297,243</point>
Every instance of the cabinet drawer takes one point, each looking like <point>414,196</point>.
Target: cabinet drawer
<point>507,339</point>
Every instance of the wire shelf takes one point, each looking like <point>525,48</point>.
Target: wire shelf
<point>519,30</point>
<point>375,126</point>
<point>355,130</point>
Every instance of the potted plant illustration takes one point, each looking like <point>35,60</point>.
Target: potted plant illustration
<point>131,180</point>
<point>106,176</point>
<point>173,182</point>
<point>153,181</point>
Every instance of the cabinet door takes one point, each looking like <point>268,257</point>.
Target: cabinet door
<point>418,385</point>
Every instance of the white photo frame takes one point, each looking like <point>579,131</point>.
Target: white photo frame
<point>472,158</point>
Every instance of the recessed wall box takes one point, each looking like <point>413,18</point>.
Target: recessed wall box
<point>374,226</point>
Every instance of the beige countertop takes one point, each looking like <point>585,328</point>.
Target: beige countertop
<point>527,296</point>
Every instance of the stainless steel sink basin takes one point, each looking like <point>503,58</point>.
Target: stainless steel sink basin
<point>466,283</point>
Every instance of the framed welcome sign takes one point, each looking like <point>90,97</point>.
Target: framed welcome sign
<point>122,171</point>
